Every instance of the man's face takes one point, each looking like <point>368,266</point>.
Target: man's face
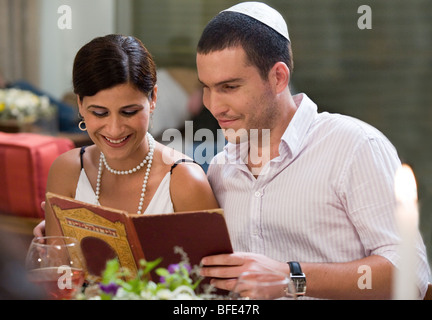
<point>234,92</point>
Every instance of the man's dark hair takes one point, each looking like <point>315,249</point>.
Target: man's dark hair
<point>263,46</point>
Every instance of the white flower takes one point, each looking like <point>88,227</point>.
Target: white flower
<point>146,295</point>
<point>181,292</point>
<point>175,282</point>
<point>125,295</point>
<point>164,294</point>
<point>23,105</point>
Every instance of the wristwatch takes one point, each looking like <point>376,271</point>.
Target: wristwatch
<point>297,277</point>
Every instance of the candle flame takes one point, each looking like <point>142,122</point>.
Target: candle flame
<point>405,184</point>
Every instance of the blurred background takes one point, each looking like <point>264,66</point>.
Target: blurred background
<point>381,75</point>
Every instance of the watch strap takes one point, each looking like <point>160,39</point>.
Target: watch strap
<point>295,268</point>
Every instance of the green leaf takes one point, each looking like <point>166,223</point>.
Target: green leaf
<point>150,265</point>
<point>111,271</point>
<point>105,296</point>
<point>162,272</point>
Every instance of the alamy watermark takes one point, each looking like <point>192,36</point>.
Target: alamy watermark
<point>252,147</point>
<point>365,280</point>
<point>65,280</point>
<point>65,20</point>
<point>365,20</point>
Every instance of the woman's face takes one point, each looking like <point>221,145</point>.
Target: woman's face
<point>117,121</point>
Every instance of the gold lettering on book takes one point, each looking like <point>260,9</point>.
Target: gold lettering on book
<point>91,227</point>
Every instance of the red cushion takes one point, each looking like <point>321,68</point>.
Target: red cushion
<point>25,160</point>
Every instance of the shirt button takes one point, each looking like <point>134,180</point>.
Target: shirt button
<point>257,194</point>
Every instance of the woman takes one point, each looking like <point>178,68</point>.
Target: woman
<point>114,78</point>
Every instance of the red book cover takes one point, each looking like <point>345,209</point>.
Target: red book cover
<point>106,233</point>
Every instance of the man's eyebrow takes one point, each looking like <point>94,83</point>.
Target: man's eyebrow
<point>223,82</point>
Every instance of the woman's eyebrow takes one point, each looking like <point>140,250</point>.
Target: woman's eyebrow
<point>133,105</point>
<point>95,106</point>
<point>127,106</point>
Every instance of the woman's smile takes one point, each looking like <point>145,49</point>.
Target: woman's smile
<point>117,142</point>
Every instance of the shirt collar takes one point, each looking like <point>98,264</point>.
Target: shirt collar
<point>297,129</point>
<point>236,153</point>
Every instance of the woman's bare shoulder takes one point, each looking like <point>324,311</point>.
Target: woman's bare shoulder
<point>64,173</point>
<point>67,160</point>
<point>170,155</point>
<point>72,158</point>
<point>190,189</point>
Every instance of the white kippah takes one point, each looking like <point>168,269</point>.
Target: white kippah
<point>263,13</point>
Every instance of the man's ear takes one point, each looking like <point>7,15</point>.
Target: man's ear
<point>279,76</point>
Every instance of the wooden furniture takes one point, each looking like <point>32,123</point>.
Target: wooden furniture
<point>428,295</point>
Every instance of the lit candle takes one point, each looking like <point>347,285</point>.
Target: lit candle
<point>407,218</point>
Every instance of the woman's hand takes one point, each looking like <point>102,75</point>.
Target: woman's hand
<point>39,230</point>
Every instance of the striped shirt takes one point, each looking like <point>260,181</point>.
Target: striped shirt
<point>327,197</point>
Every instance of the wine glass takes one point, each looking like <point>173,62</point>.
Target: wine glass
<point>263,285</point>
<point>57,265</point>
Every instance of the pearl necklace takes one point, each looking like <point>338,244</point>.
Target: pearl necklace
<point>148,159</point>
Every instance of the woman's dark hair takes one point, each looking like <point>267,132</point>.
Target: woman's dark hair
<point>263,46</point>
<point>111,60</point>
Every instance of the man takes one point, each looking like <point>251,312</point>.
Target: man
<point>319,191</point>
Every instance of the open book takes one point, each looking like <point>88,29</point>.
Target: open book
<point>105,233</point>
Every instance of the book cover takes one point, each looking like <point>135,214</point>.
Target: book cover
<point>105,233</point>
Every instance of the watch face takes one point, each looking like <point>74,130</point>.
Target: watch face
<point>300,283</point>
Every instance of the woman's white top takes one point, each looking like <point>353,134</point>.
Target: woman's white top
<point>160,203</point>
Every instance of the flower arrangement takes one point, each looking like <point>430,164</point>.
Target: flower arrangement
<point>23,106</point>
<point>175,282</point>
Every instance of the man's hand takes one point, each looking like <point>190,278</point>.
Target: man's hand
<point>226,268</point>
